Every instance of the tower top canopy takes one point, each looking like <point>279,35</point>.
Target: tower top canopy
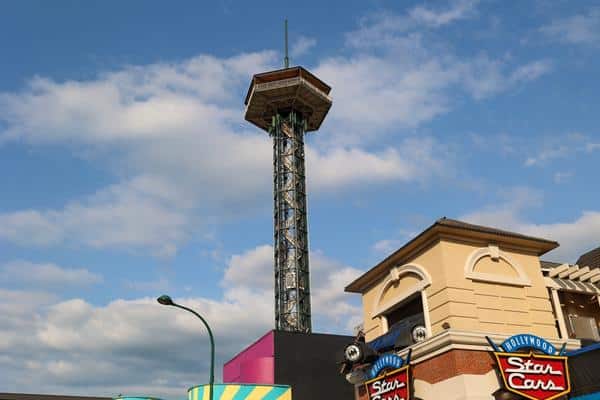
<point>288,89</point>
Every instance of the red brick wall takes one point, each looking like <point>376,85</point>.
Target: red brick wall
<point>445,366</point>
<point>453,363</point>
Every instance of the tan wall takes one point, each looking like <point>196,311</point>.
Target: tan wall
<point>472,305</point>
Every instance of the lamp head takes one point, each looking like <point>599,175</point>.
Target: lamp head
<point>165,300</point>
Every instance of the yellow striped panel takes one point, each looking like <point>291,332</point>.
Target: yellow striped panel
<point>229,392</point>
<point>206,393</point>
<point>286,396</point>
<point>195,393</point>
<point>259,392</point>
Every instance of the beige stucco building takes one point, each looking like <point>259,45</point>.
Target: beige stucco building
<point>469,282</point>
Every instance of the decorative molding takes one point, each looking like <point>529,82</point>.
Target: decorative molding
<point>495,254</point>
<point>395,275</point>
<point>451,339</point>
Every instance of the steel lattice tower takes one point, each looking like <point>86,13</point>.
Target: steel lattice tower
<point>287,103</point>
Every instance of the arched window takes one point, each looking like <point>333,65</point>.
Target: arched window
<point>402,297</point>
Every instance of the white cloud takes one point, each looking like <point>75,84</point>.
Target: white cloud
<point>484,77</point>
<point>531,71</point>
<point>387,30</point>
<point>387,246</point>
<point>76,347</point>
<point>399,77</point>
<point>46,274</point>
<point>302,46</point>
<point>581,28</point>
<point>562,176</point>
<point>253,268</point>
<point>174,132</point>
<point>332,309</point>
<point>412,160</point>
<point>558,147</point>
<point>547,154</point>
<point>574,236</point>
<point>590,147</point>
<point>458,9</point>
<point>133,214</point>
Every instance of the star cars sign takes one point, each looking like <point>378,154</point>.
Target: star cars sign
<point>390,378</point>
<point>393,385</point>
<point>535,376</point>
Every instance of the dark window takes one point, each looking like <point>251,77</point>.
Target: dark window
<point>410,309</point>
<point>582,315</point>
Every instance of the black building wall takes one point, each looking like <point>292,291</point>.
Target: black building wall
<point>308,363</point>
<point>584,370</point>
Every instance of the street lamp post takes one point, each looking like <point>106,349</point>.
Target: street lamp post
<point>167,301</point>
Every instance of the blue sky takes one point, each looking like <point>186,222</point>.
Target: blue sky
<point>129,170</point>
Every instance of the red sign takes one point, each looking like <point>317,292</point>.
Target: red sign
<point>390,386</point>
<point>537,377</point>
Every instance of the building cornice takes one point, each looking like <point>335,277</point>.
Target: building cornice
<point>450,230</point>
<point>452,339</point>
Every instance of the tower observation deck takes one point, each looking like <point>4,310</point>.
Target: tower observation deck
<point>287,103</point>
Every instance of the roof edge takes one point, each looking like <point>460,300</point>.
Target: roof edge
<point>453,227</point>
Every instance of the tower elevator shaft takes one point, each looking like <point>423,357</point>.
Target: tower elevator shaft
<point>292,283</point>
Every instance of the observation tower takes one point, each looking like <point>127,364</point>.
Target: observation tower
<point>288,103</point>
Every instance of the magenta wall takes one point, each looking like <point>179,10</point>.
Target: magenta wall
<point>255,364</point>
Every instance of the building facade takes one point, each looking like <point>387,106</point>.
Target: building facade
<point>454,286</point>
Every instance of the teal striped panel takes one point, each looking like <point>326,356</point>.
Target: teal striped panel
<point>243,392</point>
<point>217,390</point>
<point>200,393</point>
<point>275,393</point>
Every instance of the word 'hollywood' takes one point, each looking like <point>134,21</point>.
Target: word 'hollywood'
<point>516,378</point>
<point>383,387</point>
<point>524,340</point>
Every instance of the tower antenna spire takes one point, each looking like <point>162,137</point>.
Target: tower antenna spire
<point>286,60</point>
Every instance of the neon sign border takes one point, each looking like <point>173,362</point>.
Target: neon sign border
<point>532,354</point>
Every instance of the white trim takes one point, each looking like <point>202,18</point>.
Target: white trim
<point>495,253</point>
<point>564,333</point>
<point>394,276</point>
<point>384,324</point>
<point>426,313</point>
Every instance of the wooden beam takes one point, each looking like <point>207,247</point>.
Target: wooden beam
<point>577,274</point>
<point>588,275</point>
<point>568,271</point>
<point>557,270</point>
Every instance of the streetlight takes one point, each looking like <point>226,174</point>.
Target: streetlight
<point>168,301</point>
